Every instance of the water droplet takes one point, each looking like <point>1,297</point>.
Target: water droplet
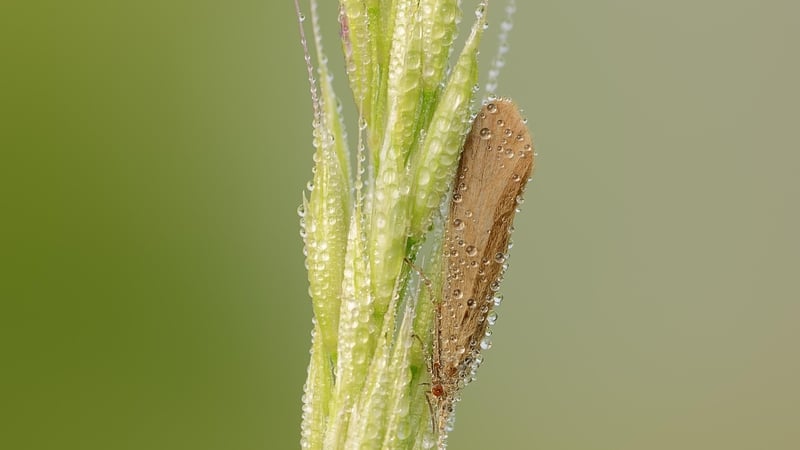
<point>497,299</point>
<point>402,431</point>
<point>471,303</point>
<point>491,318</point>
<point>500,258</point>
<point>457,198</point>
<point>507,132</point>
<point>491,107</point>
<point>485,133</point>
<point>471,250</point>
<point>457,294</point>
<point>486,343</point>
<point>458,224</point>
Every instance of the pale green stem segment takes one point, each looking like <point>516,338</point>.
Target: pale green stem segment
<point>398,409</point>
<point>439,19</point>
<point>356,334</point>
<point>361,21</point>
<point>429,295</point>
<point>368,417</point>
<point>316,397</point>
<point>332,114</point>
<point>391,203</point>
<point>327,211</point>
<point>438,157</point>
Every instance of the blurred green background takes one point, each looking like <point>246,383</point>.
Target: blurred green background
<point>152,156</point>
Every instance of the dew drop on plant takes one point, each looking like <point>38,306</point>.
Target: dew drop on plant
<point>497,299</point>
<point>402,430</point>
<point>480,11</point>
<point>491,318</point>
<point>486,133</point>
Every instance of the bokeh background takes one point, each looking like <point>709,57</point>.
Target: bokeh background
<point>152,156</point>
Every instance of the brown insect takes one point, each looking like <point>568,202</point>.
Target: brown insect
<point>495,166</point>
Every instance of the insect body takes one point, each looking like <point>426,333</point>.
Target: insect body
<point>496,163</point>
